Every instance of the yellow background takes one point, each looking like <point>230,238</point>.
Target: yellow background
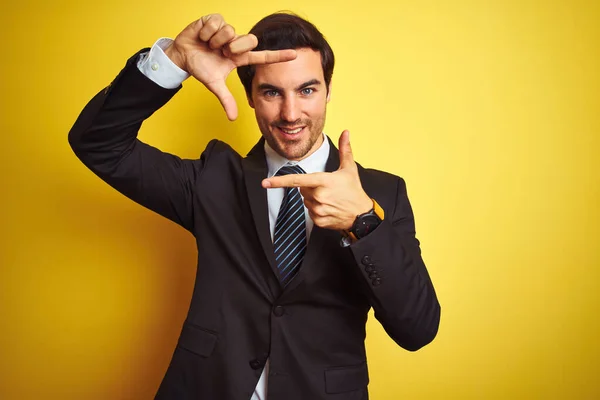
<point>489,110</point>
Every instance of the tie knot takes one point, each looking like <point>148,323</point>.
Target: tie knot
<point>290,169</point>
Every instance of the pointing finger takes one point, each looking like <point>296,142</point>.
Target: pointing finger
<point>264,57</point>
<point>295,180</point>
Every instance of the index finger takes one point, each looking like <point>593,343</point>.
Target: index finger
<point>295,180</point>
<point>264,57</point>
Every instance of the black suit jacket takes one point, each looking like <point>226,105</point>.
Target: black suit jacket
<point>313,330</point>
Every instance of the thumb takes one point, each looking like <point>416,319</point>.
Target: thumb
<point>346,157</point>
<point>220,89</point>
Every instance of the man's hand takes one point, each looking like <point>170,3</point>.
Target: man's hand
<point>333,199</point>
<point>209,49</point>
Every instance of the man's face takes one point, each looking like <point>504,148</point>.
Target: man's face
<point>290,101</point>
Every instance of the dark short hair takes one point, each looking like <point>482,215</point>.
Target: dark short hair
<point>282,30</point>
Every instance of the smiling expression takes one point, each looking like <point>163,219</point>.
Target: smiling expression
<point>290,101</point>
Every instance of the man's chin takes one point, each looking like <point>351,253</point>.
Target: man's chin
<point>292,151</point>
<point>293,155</point>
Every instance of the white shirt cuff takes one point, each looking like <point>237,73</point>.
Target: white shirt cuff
<point>159,68</point>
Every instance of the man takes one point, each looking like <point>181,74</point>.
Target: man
<point>296,242</point>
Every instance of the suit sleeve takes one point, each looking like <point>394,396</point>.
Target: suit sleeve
<point>396,279</point>
<point>104,138</point>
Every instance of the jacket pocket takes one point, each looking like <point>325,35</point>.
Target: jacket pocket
<point>197,340</point>
<point>346,379</point>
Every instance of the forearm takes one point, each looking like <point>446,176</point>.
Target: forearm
<point>398,287</point>
<point>107,128</point>
<point>396,280</point>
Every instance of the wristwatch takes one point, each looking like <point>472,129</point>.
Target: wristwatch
<point>366,223</point>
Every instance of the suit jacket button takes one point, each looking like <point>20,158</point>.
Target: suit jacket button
<point>279,311</point>
<point>369,268</point>
<point>366,260</point>
<point>376,281</point>
<point>255,364</point>
<point>373,275</point>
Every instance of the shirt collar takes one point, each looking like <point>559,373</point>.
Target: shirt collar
<point>314,163</point>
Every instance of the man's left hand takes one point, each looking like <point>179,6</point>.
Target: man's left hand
<point>333,199</point>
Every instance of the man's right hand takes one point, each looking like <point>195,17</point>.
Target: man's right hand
<point>209,49</point>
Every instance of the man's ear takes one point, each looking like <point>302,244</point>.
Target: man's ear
<point>329,91</point>
<point>250,102</point>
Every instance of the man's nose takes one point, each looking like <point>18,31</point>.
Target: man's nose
<point>290,109</point>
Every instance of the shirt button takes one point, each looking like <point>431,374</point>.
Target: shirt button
<point>154,67</point>
<point>279,311</point>
<point>366,260</point>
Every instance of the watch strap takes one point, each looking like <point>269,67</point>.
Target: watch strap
<point>377,210</point>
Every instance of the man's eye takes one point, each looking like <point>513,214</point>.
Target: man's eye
<point>271,93</point>
<point>307,91</point>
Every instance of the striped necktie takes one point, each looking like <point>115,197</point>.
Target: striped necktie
<point>289,239</point>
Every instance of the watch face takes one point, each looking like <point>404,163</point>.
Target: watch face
<point>365,225</point>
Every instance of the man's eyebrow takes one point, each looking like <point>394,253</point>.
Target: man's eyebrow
<point>309,83</point>
<point>268,86</point>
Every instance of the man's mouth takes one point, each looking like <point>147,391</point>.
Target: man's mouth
<point>291,131</point>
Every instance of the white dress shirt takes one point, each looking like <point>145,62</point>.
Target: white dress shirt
<point>161,70</point>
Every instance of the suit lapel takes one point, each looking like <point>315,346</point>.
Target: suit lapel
<point>255,170</point>
<point>318,236</point>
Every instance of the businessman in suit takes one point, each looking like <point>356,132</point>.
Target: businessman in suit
<point>296,241</point>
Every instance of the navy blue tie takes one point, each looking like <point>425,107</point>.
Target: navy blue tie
<point>289,239</point>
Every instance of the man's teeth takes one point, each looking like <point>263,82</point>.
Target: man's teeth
<point>291,132</point>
